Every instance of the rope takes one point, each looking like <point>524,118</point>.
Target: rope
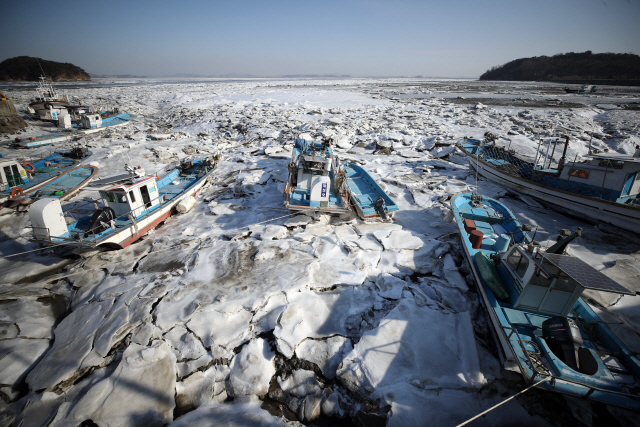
<point>501,403</point>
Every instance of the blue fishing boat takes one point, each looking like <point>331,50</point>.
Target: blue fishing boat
<point>128,210</point>
<point>543,328</point>
<point>605,187</point>
<point>367,197</point>
<point>18,179</point>
<point>91,123</point>
<point>313,184</point>
<point>39,141</point>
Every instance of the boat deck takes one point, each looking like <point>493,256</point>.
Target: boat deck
<point>66,183</point>
<point>364,191</point>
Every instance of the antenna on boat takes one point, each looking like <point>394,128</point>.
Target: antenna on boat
<point>41,69</point>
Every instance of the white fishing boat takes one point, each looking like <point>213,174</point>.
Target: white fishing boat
<point>605,187</point>
<point>129,210</point>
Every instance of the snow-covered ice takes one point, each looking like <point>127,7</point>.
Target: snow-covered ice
<point>237,311</point>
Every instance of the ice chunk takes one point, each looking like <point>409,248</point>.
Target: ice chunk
<point>319,315</point>
<point>390,286</point>
<point>327,353</point>
<point>300,383</point>
<point>139,392</point>
<point>73,342</point>
<point>395,350</point>
<point>252,369</point>
<point>400,239</point>
<point>227,330</point>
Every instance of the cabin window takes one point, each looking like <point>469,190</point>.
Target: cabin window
<point>615,164</point>
<point>518,262</point>
<point>579,173</point>
<point>133,198</point>
<point>110,198</point>
<point>564,284</point>
<point>119,197</point>
<point>538,279</point>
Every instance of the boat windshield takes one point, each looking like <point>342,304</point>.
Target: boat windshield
<point>116,197</point>
<point>518,262</point>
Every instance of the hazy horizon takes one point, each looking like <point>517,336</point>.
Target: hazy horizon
<point>459,39</point>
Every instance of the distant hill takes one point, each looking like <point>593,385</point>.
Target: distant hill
<point>571,66</point>
<point>26,68</point>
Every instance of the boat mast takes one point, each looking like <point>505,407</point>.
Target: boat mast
<point>564,154</point>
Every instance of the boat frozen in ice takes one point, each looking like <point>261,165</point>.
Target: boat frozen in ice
<point>47,104</point>
<point>95,122</point>
<point>543,328</point>
<point>606,187</point>
<point>129,210</point>
<point>583,89</point>
<point>366,196</point>
<point>21,179</point>
<point>313,184</point>
<point>39,141</point>
<point>318,182</point>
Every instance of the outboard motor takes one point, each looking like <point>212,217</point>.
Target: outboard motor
<point>100,220</point>
<point>78,152</point>
<point>379,206</point>
<point>564,339</point>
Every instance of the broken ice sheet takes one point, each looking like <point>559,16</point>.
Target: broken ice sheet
<point>395,350</point>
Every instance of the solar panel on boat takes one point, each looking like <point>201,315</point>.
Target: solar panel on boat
<point>584,274</point>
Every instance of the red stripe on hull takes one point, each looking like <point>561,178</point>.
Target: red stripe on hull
<point>141,233</point>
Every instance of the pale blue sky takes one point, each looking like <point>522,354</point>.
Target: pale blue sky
<point>453,38</point>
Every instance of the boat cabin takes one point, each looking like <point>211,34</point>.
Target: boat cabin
<point>552,283</point>
<point>610,176</point>
<point>137,198</point>
<point>314,167</point>
<point>12,174</point>
<point>91,121</point>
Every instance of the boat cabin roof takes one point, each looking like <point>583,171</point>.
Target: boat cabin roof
<point>8,163</point>
<point>617,157</point>
<point>587,276</point>
<point>127,187</point>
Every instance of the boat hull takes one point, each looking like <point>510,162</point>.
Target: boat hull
<point>512,327</point>
<point>364,192</point>
<point>40,141</point>
<point>617,214</point>
<point>127,232</point>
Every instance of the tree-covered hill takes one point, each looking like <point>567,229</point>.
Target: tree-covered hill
<point>26,68</point>
<point>569,66</point>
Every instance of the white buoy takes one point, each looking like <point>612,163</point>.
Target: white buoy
<point>186,204</point>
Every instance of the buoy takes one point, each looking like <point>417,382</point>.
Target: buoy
<point>16,192</point>
<point>29,167</point>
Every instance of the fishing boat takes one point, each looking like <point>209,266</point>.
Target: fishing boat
<point>583,89</point>
<point>314,184</point>
<point>605,187</point>
<point>18,179</point>
<point>39,141</point>
<point>128,210</point>
<point>543,328</point>
<point>366,196</point>
<point>47,104</point>
<point>91,123</point>
<point>61,187</point>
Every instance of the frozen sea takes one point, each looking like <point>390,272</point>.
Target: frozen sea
<point>239,313</point>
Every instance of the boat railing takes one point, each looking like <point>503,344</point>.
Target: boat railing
<point>520,168</point>
<point>43,235</point>
<point>553,378</point>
